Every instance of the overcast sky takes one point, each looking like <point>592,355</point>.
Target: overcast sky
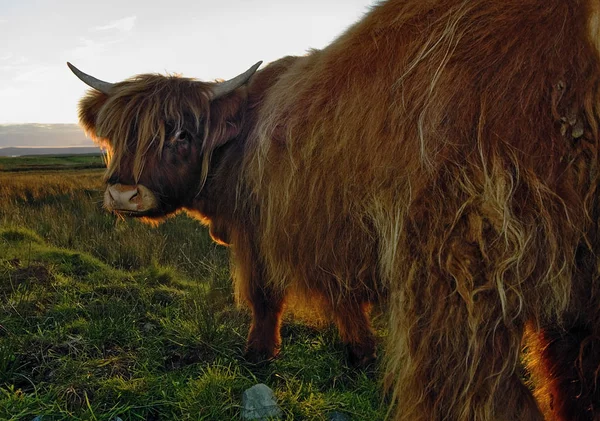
<point>115,39</point>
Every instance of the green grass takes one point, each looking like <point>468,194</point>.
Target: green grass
<point>102,317</point>
<point>51,162</point>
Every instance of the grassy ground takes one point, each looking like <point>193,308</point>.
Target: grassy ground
<point>51,162</point>
<point>102,317</point>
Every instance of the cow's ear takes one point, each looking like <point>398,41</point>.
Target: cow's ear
<point>89,109</point>
<point>226,118</point>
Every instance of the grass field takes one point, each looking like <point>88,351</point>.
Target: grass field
<point>102,317</point>
<point>50,162</point>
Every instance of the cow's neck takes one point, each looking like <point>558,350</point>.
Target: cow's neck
<point>216,204</point>
<point>216,201</point>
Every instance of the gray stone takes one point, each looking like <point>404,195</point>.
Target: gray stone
<point>338,416</point>
<point>258,403</point>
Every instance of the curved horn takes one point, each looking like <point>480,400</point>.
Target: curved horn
<point>223,88</point>
<point>91,81</point>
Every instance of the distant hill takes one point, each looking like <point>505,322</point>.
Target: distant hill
<point>41,137</point>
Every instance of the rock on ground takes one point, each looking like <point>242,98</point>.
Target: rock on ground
<point>258,403</point>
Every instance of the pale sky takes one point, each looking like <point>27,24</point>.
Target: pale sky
<point>115,39</point>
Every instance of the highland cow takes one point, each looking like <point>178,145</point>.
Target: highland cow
<point>442,154</point>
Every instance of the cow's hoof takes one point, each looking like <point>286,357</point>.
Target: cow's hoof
<point>260,357</point>
<point>363,358</point>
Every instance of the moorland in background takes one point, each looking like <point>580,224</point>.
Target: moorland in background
<point>102,317</point>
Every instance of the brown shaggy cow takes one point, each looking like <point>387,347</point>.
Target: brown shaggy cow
<point>445,152</point>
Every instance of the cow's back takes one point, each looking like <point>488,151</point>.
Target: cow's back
<point>440,99</point>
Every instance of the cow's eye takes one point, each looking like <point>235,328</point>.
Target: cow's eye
<point>181,135</point>
<point>180,143</point>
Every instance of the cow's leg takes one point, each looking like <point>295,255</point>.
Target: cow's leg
<point>265,301</point>
<point>450,365</point>
<point>458,309</point>
<point>264,338</point>
<point>565,365</point>
<point>352,320</point>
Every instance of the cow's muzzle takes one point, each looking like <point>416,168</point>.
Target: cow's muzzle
<point>136,199</point>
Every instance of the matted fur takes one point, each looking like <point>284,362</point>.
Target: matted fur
<point>444,152</point>
<point>464,135</point>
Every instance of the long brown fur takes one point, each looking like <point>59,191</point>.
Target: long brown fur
<point>443,153</point>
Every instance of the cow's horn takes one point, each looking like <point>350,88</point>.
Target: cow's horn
<point>91,81</point>
<point>223,88</point>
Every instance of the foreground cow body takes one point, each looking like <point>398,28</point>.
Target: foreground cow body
<point>444,153</point>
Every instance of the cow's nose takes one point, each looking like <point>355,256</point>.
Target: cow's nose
<point>123,198</point>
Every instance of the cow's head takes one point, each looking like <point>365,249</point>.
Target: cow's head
<point>160,132</point>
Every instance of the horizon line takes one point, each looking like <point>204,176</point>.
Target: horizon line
<point>37,123</point>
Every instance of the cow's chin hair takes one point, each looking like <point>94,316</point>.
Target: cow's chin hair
<point>153,217</point>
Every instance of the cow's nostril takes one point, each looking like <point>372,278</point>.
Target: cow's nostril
<point>113,193</point>
<point>129,198</point>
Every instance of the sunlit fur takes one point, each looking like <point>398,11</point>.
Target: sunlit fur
<point>444,152</point>
<point>459,138</point>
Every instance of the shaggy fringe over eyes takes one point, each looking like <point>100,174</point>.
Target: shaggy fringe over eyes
<point>141,113</point>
